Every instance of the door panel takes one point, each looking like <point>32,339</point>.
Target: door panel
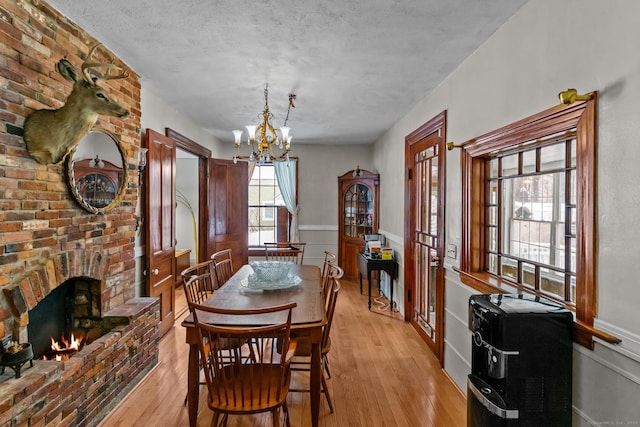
<point>160,245</point>
<point>424,192</point>
<point>228,198</point>
<point>350,249</point>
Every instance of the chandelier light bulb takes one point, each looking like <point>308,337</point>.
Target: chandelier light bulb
<point>285,132</point>
<point>252,132</point>
<point>238,135</point>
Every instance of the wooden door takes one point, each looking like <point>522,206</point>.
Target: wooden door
<point>228,199</point>
<point>161,199</point>
<point>424,233</point>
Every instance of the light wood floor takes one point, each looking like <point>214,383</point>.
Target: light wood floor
<point>382,375</point>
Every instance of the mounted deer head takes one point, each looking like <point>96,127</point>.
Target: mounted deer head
<point>51,134</point>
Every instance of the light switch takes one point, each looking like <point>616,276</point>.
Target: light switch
<point>452,250</point>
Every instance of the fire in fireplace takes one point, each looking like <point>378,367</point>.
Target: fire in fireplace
<point>64,349</point>
<point>66,319</point>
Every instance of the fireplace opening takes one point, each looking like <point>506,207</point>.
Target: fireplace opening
<point>66,319</point>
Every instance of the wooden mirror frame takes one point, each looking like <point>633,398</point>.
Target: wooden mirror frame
<point>111,174</point>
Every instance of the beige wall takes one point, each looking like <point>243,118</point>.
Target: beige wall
<point>318,173</point>
<point>546,47</point>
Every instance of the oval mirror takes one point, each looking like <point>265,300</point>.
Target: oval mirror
<point>96,171</point>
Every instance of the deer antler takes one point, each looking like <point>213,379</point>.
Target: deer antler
<point>93,76</point>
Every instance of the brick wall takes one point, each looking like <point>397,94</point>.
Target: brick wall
<point>45,236</point>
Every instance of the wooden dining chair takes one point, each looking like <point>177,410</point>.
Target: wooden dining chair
<point>302,354</point>
<point>223,266</point>
<point>199,282</point>
<point>234,386</point>
<point>329,259</point>
<point>285,251</point>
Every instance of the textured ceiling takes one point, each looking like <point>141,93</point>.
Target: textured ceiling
<point>356,66</point>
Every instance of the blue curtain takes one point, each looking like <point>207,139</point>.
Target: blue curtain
<point>286,176</point>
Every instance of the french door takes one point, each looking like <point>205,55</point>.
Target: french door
<point>424,232</point>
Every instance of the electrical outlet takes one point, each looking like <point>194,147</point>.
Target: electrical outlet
<point>452,250</point>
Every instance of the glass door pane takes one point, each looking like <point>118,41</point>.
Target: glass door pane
<point>426,239</point>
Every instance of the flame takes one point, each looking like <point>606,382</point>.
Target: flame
<point>74,344</point>
<point>54,345</point>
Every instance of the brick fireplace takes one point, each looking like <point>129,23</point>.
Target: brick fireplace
<point>83,389</point>
<point>46,238</point>
<point>66,319</point>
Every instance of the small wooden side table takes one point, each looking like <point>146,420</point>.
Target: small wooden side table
<point>366,265</point>
<point>182,261</point>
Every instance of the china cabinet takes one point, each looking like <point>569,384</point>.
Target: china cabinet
<point>358,215</point>
<point>98,186</point>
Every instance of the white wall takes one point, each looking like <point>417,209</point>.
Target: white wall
<point>187,186</point>
<point>158,115</point>
<point>546,47</point>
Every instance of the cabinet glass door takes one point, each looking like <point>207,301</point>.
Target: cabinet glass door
<point>358,213</point>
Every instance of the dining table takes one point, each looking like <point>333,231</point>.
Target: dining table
<point>307,319</point>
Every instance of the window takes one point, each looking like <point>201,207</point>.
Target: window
<point>264,198</point>
<point>529,211</point>
<point>268,212</point>
<point>269,217</point>
<point>532,189</point>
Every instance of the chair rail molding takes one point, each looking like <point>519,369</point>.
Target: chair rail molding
<point>630,344</point>
<point>318,227</point>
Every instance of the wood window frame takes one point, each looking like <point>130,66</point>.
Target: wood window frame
<point>581,117</point>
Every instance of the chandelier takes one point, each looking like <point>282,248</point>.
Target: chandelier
<point>263,138</point>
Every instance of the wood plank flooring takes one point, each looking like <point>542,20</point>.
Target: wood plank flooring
<point>382,374</point>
